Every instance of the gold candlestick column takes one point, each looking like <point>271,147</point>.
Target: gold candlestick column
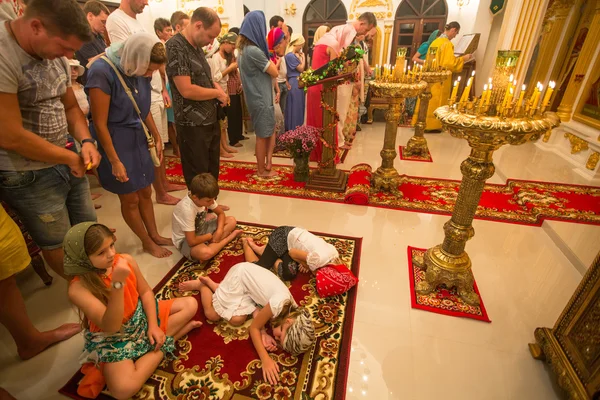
<point>417,144</point>
<point>448,263</point>
<point>506,65</point>
<point>386,177</point>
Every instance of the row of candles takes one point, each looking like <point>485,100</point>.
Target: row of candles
<point>392,74</point>
<point>522,106</point>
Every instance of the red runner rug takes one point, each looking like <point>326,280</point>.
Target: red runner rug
<point>442,301</point>
<point>426,158</point>
<point>218,361</point>
<point>518,201</point>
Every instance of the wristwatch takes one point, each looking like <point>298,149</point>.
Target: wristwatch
<point>117,285</point>
<point>88,140</point>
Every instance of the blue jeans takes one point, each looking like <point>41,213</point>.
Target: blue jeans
<point>48,201</point>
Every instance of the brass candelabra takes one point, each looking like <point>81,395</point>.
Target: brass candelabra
<point>386,177</point>
<point>487,126</point>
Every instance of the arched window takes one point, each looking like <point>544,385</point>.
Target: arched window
<point>321,12</point>
<point>415,21</point>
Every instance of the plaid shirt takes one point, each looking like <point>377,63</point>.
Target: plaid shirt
<point>185,60</point>
<point>234,82</point>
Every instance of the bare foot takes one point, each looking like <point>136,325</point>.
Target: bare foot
<point>346,147</point>
<point>155,250</point>
<point>186,329</point>
<point>212,285</point>
<point>162,241</point>
<point>227,155</point>
<point>256,248</point>
<point>167,199</point>
<point>96,195</point>
<point>231,149</point>
<point>269,166</point>
<point>49,338</point>
<point>238,144</point>
<point>268,174</point>
<point>97,206</point>
<point>171,187</point>
<point>188,286</point>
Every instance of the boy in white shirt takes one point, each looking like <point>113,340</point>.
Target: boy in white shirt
<point>198,234</point>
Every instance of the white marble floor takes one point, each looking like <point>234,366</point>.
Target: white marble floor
<point>397,352</point>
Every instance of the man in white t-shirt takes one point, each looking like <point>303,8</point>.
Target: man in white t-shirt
<point>121,24</point>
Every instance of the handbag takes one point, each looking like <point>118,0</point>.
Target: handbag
<point>149,138</point>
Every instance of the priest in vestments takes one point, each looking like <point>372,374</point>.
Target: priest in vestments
<point>440,92</point>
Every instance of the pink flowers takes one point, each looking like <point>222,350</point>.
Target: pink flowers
<point>299,141</point>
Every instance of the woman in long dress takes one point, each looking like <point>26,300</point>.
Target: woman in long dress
<point>326,49</point>
<point>295,61</point>
<point>440,92</point>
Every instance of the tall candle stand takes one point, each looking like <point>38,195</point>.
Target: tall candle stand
<point>417,144</point>
<point>486,127</point>
<point>386,177</point>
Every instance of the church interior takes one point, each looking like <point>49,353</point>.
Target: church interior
<point>517,314</point>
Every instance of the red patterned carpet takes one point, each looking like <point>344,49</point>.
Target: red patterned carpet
<point>442,301</point>
<point>519,201</point>
<point>218,360</point>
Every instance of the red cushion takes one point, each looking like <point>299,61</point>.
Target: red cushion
<point>334,279</point>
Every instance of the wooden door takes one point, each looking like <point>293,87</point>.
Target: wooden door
<point>321,12</point>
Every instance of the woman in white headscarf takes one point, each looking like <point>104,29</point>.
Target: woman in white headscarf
<point>126,168</point>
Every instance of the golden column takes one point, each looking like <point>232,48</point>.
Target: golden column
<point>386,177</point>
<point>565,110</point>
<point>554,25</point>
<point>386,43</point>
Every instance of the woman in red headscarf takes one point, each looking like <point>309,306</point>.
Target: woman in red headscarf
<point>326,49</point>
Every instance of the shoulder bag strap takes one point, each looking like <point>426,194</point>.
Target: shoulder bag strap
<point>149,137</point>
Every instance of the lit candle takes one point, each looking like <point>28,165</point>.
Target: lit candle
<point>536,103</point>
<point>454,92</point>
<point>509,100</point>
<point>465,94</point>
<point>483,97</point>
<point>547,95</point>
<point>521,96</point>
<point>535,98</point>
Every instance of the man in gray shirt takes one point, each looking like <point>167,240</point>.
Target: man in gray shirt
<point>39,178</point>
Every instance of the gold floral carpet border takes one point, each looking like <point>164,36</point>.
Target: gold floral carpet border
<point>518,201</point>
<point>218,361</point>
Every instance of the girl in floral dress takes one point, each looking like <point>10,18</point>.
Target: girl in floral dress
<point>127,331</point>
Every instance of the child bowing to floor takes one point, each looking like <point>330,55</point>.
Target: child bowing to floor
<point>127,331</point>
<point>291,249</point>
<point>245,286</point>
<point>198,234</point>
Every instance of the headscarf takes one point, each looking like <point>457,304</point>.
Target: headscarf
<point>274,38</point>
<point>133,55</point>
<point>297,40</point>
<point>322,30</point>
<point>338,38</point>
<point>300,336</point>
<point>425,45</point>
<point>254,27</point>
<point>229,37</point>
<point>76,260</point>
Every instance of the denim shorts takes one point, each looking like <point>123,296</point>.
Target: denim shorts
<point>48,201</point>
<point>209,226</point>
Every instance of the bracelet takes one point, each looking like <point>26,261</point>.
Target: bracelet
<point>88,140</point>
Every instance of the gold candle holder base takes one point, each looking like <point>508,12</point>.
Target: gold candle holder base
<point>448,263</point>
<point>417,144</point>
<point>386,177</point>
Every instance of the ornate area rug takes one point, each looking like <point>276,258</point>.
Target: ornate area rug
<point>519,202</point>
<point>442,301</point>
<point>218,361</point>
<point>404,157</point>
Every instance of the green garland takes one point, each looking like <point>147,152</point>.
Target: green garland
<point>333,67</point>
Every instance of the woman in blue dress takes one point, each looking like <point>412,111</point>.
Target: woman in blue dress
<point>126,168</point>
<point>295,61</point>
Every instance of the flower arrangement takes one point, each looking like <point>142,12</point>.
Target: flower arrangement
<point>349,56</point>
<point>300,141</point>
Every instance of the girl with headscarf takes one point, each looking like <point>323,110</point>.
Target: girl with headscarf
<point>277,45</point>
<point>222,66</point>
<point>421,54</point>
<point>127,331</point>
<point>295,62</point>
<point>326,49</point>
<point>440,92</point>
<point>257,72</point>
<point>126,168</point>
<point>249,289</point>
<point>322,30</point>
